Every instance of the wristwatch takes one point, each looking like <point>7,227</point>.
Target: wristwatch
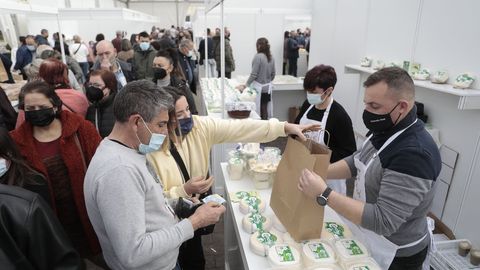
<point>322,199</point>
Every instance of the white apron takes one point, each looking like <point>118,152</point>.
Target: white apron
<point>318,136</point>
<point>263,88</point>
<point>383,250</point>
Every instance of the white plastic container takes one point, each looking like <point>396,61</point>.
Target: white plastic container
<point>318,253</point>
<point>366,263</point>
<point>350,250</point>
<point>235,168</point>
<point>284,256</point>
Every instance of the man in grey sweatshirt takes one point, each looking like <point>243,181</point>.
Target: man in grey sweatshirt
<point>136,227</point>
<point>399,164</point>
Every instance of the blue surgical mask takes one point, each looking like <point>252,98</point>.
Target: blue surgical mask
<point>156,141</point>
<point>3,167</point>
<point>144,46</point>
<point>315,99</point>
<point>186,125</point>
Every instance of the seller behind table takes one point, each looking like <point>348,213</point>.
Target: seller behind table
<point>398,182</point>
<point>320,108</point>
<point>195,137</point>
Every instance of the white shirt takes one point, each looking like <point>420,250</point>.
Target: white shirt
<point>80,55</point>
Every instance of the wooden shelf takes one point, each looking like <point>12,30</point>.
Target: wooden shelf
<point>469,99</point>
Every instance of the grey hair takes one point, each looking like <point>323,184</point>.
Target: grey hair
<point>185,43</point>
<point>141,97</point>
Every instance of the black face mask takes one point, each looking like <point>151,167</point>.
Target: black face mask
<point>94,94</point>
<point>159,73</point>
<point>40,118</point>
<point>379,122</point>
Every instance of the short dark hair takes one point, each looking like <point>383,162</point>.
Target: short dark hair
<point>42,88</point>
<point>144,34</point>
<point>397,80</point>
<point>321,76</point>
<point>208,31</point>
<point>99,37</point>
<point>141,97</point>
<point>44,31</point>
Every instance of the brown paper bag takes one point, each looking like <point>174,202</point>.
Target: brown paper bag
<point>301,215</point>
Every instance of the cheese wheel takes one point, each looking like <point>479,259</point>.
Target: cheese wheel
<point>261,241</point>
<point>284,256</point>
<point>252,204</point>
<point>335,230</point>
<point>278,225</point>
<point>350,249</point>
<point>367,263</point>
<point>317,252</point>
<point>254,222</point>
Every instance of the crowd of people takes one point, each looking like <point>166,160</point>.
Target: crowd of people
<point>106,161</point>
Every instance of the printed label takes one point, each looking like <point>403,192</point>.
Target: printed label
<point>267,238</point>
<point>352,247</point>
<point>319,251</point>
<point>337,230</point>
<point>257,220</point>
<point>285,253</point>
<point>253,203</point>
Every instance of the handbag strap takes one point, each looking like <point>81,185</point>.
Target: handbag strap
<point>77,142</point>
<point>179,161</point>
<point>79,45</point>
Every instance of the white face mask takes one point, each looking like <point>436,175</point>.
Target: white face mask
<point>190,53</point>
<point>155,143</point>
<point>3,167</point>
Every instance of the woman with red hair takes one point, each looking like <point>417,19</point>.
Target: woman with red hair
<point>55,74</point>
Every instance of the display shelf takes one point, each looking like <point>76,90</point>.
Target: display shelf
<point>250,260</point>
<point>469,99</point>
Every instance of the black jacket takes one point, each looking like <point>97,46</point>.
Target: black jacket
<point>104,111</point>
<point>8,115</point>
<point>186,61</point>
<point>201,49</point>
<point>31,236</point>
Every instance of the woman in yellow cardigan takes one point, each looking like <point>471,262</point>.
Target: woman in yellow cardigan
<point>198,135</point>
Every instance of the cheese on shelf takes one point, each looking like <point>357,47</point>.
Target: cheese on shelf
<point>364,264</point>
<point>350,249</point>
<point>261,241</point>
<point>317,252</point>
<point>335,230</point>
<point>254,222</point>
<point>252,205</point>
<point>284,256</point>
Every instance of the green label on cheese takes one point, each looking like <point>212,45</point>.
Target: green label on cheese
<point>361,268</point>
<point>242,195</point>
<point>253,203</point>
<point>319,251</point>
<point>285,253</point>
<point>257,220</point>
<point>335,229</point>
<point>352,247</point>
<point>267,238</point>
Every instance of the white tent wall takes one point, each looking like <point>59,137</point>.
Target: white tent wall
<point>343,31</point>
<point>167,12</point>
